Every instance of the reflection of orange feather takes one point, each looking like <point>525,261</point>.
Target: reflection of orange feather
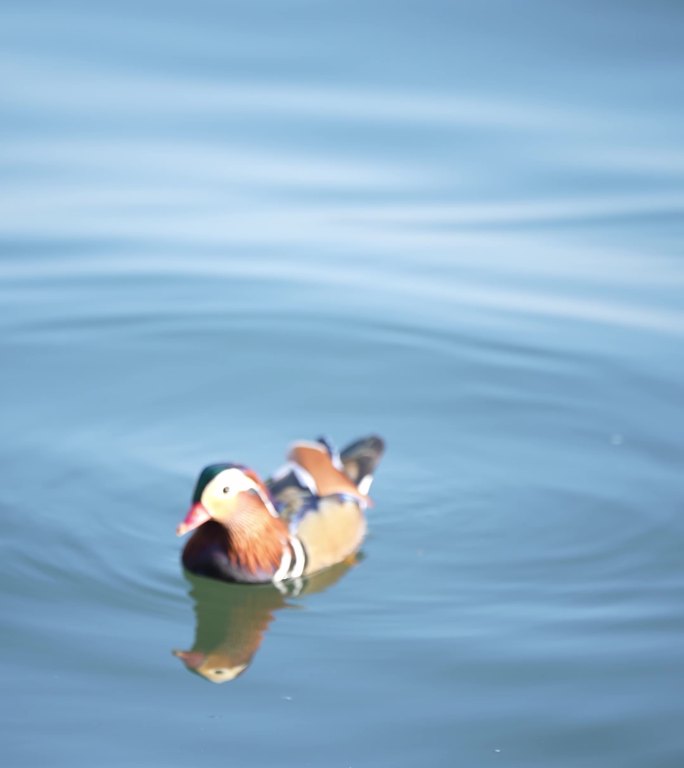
<point>317,462</point>
<point>233,620</point>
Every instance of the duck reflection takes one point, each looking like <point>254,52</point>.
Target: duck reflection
<point>232,619</point>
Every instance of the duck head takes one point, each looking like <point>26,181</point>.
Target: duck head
<point>210,666</point>
<point>219,495</point>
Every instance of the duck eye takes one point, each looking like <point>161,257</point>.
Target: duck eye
<point>226,489</point>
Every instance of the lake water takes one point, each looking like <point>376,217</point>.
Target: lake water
<point>225,226</point>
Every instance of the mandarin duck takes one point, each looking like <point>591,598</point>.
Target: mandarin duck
<point>232,620</point>
<point>307,517</point>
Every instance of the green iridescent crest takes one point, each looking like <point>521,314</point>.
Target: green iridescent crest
<point>206,476</point>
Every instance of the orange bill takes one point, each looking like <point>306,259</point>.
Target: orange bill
<point>197,515</point>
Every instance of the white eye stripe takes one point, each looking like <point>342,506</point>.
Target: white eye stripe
<point>224,674</point>
<point>232,481</point>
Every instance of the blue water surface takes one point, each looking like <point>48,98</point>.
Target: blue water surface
<point>228,225</point>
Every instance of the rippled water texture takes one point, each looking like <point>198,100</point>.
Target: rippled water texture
<point>225,226</point>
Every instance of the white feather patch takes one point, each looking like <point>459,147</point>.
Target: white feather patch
<point>284,568</point>
<point>291,568</point>
<point>300,557</point>
<point>226,673</point>
<point>365,484</point>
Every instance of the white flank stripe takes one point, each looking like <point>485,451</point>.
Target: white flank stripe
<point>284,568</point>
<point>300,557</point>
